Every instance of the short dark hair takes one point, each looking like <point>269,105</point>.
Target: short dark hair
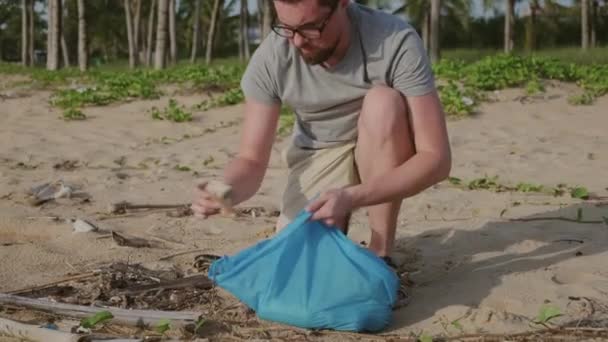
<point>323,3</point>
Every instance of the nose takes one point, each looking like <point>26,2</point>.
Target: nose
<point>298,40</point>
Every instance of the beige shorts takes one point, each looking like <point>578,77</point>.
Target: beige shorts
<point>312,171</point>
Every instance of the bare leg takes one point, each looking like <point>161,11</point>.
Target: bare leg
<point>384,142</point>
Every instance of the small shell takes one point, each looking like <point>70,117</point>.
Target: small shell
<point>82,226</point>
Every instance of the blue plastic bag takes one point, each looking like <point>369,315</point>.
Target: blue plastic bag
<point>311,276</point>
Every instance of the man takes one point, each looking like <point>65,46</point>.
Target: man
<point>370,129</point>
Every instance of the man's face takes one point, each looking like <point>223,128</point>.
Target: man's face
<point>318,30</point>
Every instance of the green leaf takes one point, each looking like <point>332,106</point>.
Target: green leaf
<point>579,192</point>
<point>199,324</point>
<point>99,317</point>
<point>547,313</point>
<point>454,180</point>
<point>163,325</point>
<point>425,338</point>
<point>456,324</point>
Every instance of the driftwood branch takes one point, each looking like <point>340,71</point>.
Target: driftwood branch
<point>26,332</point>
<point>29,332</point>
<point>54,283</point>
<point>566,219</point>
<point>123,316</point>
<point>198,281</point>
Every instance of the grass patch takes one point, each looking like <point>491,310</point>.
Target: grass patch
<point>172,112</point>
<point>71,114</point>
<point>464,75</point>
<point>494,185</point>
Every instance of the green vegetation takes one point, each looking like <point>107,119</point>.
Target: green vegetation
<point>92,321</point>
<point>547,313</point>
<point>463,82</point>
<point>503,71</point>
<point>73,114</point>
<point>173,112</point>
<point>492,184</point>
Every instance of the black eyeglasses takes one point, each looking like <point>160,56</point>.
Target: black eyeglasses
<point>305,31</point>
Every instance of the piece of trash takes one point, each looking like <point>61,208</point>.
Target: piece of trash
<point>51,191</point>
<point>135,242</point>
<point>467,101</point>
<point>51,326</point>
<point>82,330</point>
<point>83,226</point>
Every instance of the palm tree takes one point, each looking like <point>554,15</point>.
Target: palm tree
<point>161,35</point>
<point>130,38</point>
<point>434,41</point>
<point>585,24</point>
<point>82,37</point>
<point>25,37</point>
<point>244,53</point>
<point>153,10</point>
<point>217,5</point>
<point>419,11</point>
<point>196,30</point>
<point>53,35</point>
<point>172,36</point>
<point>509,25</point>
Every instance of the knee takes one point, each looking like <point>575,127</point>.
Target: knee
<point>384,113</point>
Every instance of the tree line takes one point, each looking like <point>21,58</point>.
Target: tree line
<point>158,33</point>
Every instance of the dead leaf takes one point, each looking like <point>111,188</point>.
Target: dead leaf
<point>135,242</point>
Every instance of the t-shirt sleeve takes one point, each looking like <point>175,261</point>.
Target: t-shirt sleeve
<point>411,70</point>
<point>258,81</point>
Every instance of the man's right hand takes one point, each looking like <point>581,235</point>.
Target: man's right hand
<point>205,204</point>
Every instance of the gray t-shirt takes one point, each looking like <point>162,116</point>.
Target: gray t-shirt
<point>383,50</point>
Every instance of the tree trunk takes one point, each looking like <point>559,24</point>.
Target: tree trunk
<point>509,23</point>
<point>161,35</point>
<point>83,62</point>
<point>196,30</point>
<point>150,33</point>
<point>31,41</point>
<point>426,28</point>
<point>267,18</point>
<point>212,28</point>
<point>64,50</point>
<point>54,31</point>
<point>593,19</point>
<point>136,32</point>
<point>127,4</point>
<point>585,24</point>
<point>530,26</point>
<point>245,13</point>
<point>64,47</point>
<point>172,36</point>
<point>261,16</point>
<point>241,33</point>
<point>24,33</point>
<point>49,32</point>
<point>435,7</point>
<point>244,52</point>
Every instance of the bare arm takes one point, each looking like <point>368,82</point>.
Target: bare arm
<point>430,165</point>
<point>245,172</point>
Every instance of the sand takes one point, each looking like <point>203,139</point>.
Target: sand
<point>469,263</point>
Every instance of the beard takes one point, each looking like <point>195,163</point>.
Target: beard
<point>318,56</point>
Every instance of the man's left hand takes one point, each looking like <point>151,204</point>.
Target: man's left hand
<point>331,207</point>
